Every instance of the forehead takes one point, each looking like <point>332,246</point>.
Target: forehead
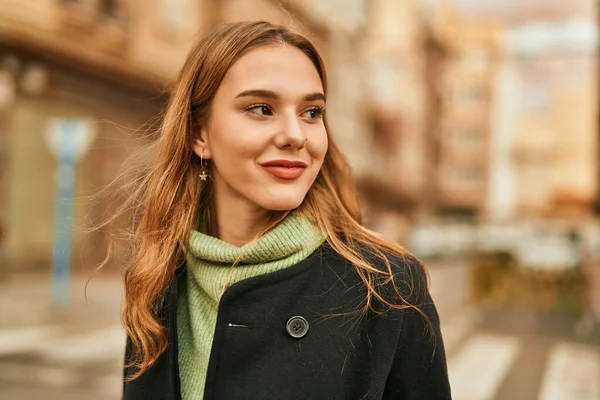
<point>280,68</point>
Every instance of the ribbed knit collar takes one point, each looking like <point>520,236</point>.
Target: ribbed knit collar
<point>294,235</point>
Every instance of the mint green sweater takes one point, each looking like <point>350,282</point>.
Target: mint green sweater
<point>209,269</point>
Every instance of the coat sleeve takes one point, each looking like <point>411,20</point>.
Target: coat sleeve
<point>419,371</point>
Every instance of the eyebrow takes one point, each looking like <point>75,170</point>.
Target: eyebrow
<point>269,94</point>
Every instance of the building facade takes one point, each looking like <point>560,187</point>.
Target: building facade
<point>394,102</point>
<point>544,158</point>
<point>468,87</point>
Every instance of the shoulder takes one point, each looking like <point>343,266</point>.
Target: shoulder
<point>404,279</point>
<point>397,275</point>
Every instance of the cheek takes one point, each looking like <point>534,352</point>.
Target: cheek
<point>235,162</point>
<point>235,142</point>
<point>319,148</point>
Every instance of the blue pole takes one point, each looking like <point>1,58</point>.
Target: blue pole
<point>65,180</point>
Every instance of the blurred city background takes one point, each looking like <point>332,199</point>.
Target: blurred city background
<point>471,125</point>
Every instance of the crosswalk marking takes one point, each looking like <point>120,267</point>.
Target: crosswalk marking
<point>480,366</point>
<point>106,344</point>
<point>572,372</point>
<point>16,372</point>
<point>454,330</point>
<point>47,341</point>
<point>20,340</point>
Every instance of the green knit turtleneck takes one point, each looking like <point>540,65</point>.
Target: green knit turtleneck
<point>209,268</point>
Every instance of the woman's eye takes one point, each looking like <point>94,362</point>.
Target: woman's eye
<point>314,113</point>
<point>260,109</point>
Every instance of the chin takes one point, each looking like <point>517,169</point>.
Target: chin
<point>281,200</point>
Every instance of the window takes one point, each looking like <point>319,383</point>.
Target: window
<point>466,174</point>
<point>467,136</point>
<point>109,8</point>
<point>113,10</point>
<point>472,174</point>
<point>81,4</point>
<point>386,132</point>
<point>471,94</point>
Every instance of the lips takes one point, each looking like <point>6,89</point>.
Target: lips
<point>285,169</point>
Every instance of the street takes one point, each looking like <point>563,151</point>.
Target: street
<point>74,353</point>
<point>512,354</point>
<point>496,354</point>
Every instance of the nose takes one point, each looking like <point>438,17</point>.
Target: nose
<point>292,135</point>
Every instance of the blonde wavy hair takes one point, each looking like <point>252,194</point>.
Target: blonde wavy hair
<point>170,200</point>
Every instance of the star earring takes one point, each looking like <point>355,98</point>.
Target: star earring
<point>203,175</point>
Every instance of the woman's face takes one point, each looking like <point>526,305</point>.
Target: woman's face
<point>265,136</point>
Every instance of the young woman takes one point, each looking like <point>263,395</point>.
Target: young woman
<point>252,276</point>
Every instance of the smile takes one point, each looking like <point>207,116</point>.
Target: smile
<point>283,169</point>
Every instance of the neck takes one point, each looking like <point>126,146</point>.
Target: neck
<point>238,228</point>
<point>237,222</point>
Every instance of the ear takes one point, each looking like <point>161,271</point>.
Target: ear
<point>200,146</point>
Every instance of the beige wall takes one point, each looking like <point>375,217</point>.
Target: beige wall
<point>395,26</point>
<point>38,14</point>
<point>31,166</point>
<point>534,158</point>
<point>160,45</point>
<point>271,10</point>
<point>468,91</point>
<point>29,227</point>
<point>393,62</point>
<point>574,123</point>
<point>554,155</point>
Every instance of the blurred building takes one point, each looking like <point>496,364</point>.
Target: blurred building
<point>68,59</point>
<point>517,134</point>
<point>573,112</point>
<point>394,101</point>
<point>555,139</point>
<point>467,88</point>
<point>555,155</point>
<point>533,157</point>
<point>516,13</point>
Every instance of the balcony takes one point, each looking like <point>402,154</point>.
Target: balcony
<point>101,24</point>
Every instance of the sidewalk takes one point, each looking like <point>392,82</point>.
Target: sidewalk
<point>25,300</point>
<point>71,352</point>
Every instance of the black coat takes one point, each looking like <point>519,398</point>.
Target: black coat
<point>254,355</point>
